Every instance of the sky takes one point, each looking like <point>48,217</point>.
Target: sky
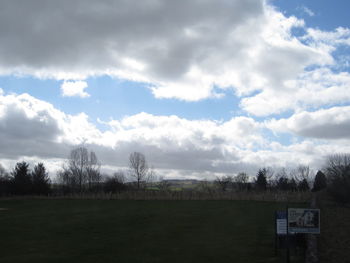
<point>202,88</point>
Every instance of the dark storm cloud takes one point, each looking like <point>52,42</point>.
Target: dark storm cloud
<point>28,131</point>
<point>73,35</point>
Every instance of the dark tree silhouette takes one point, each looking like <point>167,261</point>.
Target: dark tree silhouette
<point>223,183</point>
<point>283,184</point>
<point>337,172</point>
<point>5,182</point>
<point>241,181</point>
<point>261,181</point>
<point>288,182</point>
<point>303,185</point>
<point>40,180</point>
<point>320,182</point>
<point>115,183</point>
<point>21,181</point>
<point>66,182</point>
<point>293,186</point>
<point>302,177</point>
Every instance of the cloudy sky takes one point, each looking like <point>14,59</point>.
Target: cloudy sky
<point>201,87</point>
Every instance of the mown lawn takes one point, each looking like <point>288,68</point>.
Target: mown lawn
<point>137,231</point>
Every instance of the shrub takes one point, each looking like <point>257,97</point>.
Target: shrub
<point>114,184</point>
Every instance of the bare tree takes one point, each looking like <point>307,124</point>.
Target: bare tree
<point>93,171</point>
<point>66,181</point>
<point>302,177</point>
<point>77,163</point>
<point>82,168</point>
<point>302,172</point>
<point>337,171</point>
<point>138,168</point>
<point>223,183</point>
<point>337,165</point>
<point>241,180</point>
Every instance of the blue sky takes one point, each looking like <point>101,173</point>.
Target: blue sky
<point>327,15</point>
<point>249,85</point>
<point>116,98</point>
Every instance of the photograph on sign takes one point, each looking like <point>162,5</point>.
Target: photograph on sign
<point>304,220</point>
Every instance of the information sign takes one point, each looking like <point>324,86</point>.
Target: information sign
<point>281,222</point>
<point>304,220</point>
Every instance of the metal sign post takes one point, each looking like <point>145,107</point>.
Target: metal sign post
<point>292,224</point>
<point>287,240</point>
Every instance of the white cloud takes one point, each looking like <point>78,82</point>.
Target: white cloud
<point>31,129</point>
<point>307,10</point>
<point>333,123</point>
<point>313,89</point>
<point>316,37</point>
<point>182,49</point>
<point>74,88</point>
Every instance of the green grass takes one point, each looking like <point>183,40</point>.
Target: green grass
<point>136,231</point>
<point>334,240</point>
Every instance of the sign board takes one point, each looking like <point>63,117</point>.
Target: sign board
<point>304,220</point>
<point>281,222</point>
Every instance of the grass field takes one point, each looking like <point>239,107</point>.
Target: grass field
<point>137,231</point>
<point>334,241</point>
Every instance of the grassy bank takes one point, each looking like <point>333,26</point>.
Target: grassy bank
<point>137,231</point>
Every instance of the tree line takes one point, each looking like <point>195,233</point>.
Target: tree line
<point>23,181</point>
<point>81,173</point>
<point>299,179</point>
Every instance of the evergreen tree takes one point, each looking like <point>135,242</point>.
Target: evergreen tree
<point>40,180</point>
<point>21,181</point>
<point>261,181</point>
<point>320,182</point>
